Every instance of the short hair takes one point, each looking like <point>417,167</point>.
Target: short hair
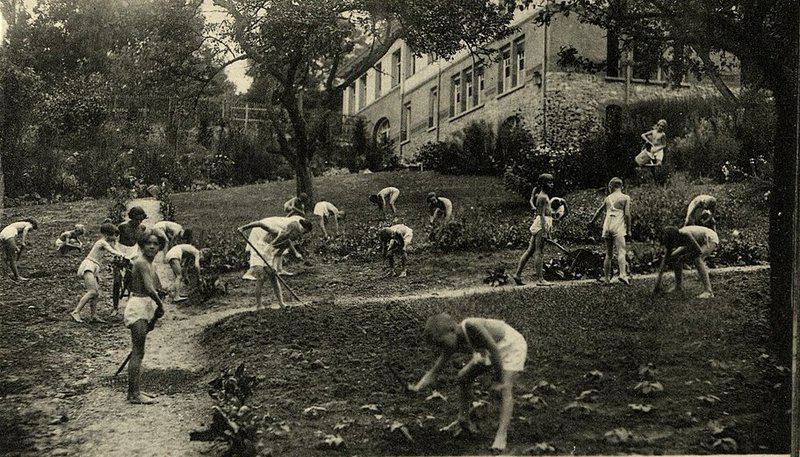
<point>306,224</point>
<point>187,235</point>
<point>33,222</point>
<point>375,198</point>
<point>80,228</point>
<point>431,195</point>
<point>615,183</point>
<point>545,178</point>
<point>437,325</point>
<point>669,236</point>
<point>303,196</point>
<point>661,122</point>
<point>137,212</point>
<point>146,234</point>
<point>109,230</point>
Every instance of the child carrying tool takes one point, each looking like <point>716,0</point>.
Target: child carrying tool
<point>70,240</point>
<point>616,226</point>
<point>265,262</point>
<point>89,271</point>
<point>496,348</point>
<point>540,229</point>
<point>690,244</point>
<point>8,240</point>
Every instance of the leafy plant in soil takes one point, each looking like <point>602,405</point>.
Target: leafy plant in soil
<point>496,277</point>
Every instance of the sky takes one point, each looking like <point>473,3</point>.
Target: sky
<point>236,72</point>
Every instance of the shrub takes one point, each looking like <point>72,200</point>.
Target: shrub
<point>707,148</point>
<point>476,150</point>
<point>439,156</point>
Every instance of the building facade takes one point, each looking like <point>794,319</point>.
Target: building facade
<point>413,100</point>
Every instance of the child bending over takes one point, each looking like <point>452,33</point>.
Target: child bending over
<point>690,244</point>
<point>296,206</point>
<point>174,258</point>
<point>702,211</point>
<point>8,240</point>
<point>326,212</point>
<point>260,238</point>
<point>540,229</point>
<point>616,226</point>
<point>89,270</point>
<point>173,231</point>
<point>496,348</point>
<point>266,265</point>
<point>395,242</point>
<point>439,208</point>
<point>70,240</point>
<point>386,198</point>
<point>144,307</point>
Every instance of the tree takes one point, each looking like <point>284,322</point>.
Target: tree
<point>300,46</point>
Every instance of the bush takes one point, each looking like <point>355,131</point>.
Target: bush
<point>477,150</point>
<point>439,156</point>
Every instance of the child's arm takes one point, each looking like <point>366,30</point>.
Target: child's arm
<point>431,374</point>
<point>143,269</point>
<point>434,212</point>
<point>486,341</point>
<point>660,276</point>
<point>628,217</point>
<point>597,213</point>
<point>646,136</point>
<point>294,250</point>
<point>196,253</point>
<point>25,236</point>
<point>104,245</point>
<point>260,225</point>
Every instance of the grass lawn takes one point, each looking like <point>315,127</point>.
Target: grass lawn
<point>709,357</point>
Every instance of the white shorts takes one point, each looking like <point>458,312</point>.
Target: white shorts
<point>536,227</point>
<point>513,352</point>
<point>173,254</point>
<point>614,226</point>
<point>89,265</point>
<point>321,210</point>
<point>139,308</point>
<point>268,252</point>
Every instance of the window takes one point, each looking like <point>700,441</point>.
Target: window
<point>512,66</point>
<point>433,107</point>
<point>455,95</point>
<point>481,82</point>
<point>469,93</point>
<point>362,92</point>
<point>518,75</point>
<point>504,79</point>
<point>405,121</point>
<point>351,99</point>
<point>396,67</point>
<point>378,79</point>
<point>382,131</point>
<point>411,64</point>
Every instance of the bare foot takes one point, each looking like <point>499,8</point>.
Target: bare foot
<point>499,444</point>
<point>141,399</point>
<point>148,394</point>
<point>705,295</point>
<point>275,306</point>
<point>20,278</point>
<point>180,299</point>
<point>76,317</point>
<point>96,318</point>
<point>114,313</point>
<point>543,283</point>
<point>625,280</point>
<point>518,280</point>
<point>674,289</point>
<point>285,273</point>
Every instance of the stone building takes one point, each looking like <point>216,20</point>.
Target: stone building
<point>416,99</point>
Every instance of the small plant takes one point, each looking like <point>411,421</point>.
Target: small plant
<point>496,277</point>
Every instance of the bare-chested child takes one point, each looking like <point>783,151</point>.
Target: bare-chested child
<point>656,140</point>
<point>327,212</point>
<point>497,348</point>
<point>386,198</point>
<point>616,226</point>
<point>540,229</point>
<point>144,307</point>
<point>439,208</point>
<point>267,265</point>
<point>89,271</point>
<point>8,240</point>
<point>702,211</point>
<point>127,243</point>
<point>395,242</point>
<point>690,244</point>
<point>70,240</point>
<point>173,231</point>
<point>296,206</point>
<point>174,258</point>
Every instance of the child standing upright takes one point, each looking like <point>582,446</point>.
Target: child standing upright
<point>616,226</point>
<point>90,268</point>
<point>497,348</point>
<point>540,229</point>
<point>70,240</point>
<point>8,240</point>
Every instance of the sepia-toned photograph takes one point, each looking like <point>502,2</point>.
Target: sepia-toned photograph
<point>253,228</point>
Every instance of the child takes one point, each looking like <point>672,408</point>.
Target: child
<point>540,229</point>
<point>386,197</point>
<point>326,211</point>
<point>174,258</point>
<point>440,208</point>
<point>296,206</point>
<point>692,243</point>
<point>616,226</point>
<point>496,348</point>
<point>701,211</point>
<point>260,238</point>
<point>173,231</point>
<point>268,266</point>
<point>395,241</point>
<point>70,240</point>
<point>656,141</point>
<point>8,240</point>
<point>127,243</point>
<point>89,269</point>
<point>144,307</point>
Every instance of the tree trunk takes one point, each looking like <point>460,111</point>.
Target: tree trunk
<point>303,176</point>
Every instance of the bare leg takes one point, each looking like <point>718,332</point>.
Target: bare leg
<point>10,247</point>
<point>322,226</point>
<point>403,259</point>
<point>702,272</point>
<point>92,292</point>
<point>524,260</point>
<point>138,338</point>
<point>466,376</point>
<point>538,258</point>
<point>260,278</point>
<point>177,270</point>
<point>336,223</point>
<point>609,257</point>
<point>276,286</point>
<point>622,259</point>
<point>506,410</point>
<point>678,269</point>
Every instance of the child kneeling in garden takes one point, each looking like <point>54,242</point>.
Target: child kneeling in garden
<point>496,347</point>
<point>690,244</point>
<point>70,240</point>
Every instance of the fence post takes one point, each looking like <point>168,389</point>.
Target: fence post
<point>246,115</point>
